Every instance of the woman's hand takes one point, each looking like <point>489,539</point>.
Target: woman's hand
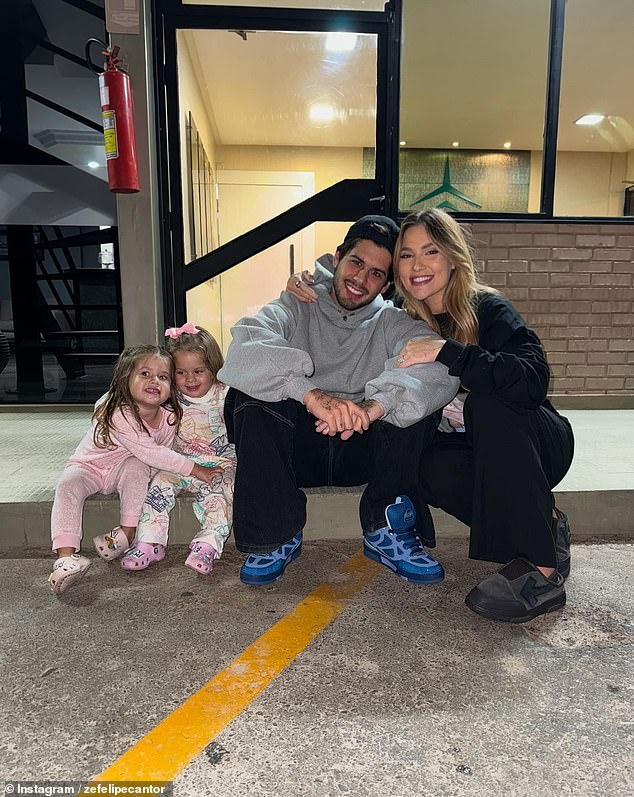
<point>299,286</point>
<point>423,350</point>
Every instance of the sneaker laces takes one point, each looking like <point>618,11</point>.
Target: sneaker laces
<point>410,542</point>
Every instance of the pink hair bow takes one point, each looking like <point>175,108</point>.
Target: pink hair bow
<point>176,332</point>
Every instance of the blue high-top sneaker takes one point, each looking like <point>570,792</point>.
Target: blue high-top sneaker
<point>260,569</point>
<point>397,546</point>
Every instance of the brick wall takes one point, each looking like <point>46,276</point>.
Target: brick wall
<point>574,285</point>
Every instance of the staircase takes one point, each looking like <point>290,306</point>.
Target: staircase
<point>60,301</point>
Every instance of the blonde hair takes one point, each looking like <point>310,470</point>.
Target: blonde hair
<point>203,343</point>
<point>118,396</point>
<point>463,286</point>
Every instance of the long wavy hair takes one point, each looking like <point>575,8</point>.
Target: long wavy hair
<point>202,343</point>
<point>118,396</point>
<point>463,286</point>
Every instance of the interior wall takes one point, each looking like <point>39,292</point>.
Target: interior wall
<point>192,99</point>
<point>203,302</point>
<point>587,183</point>
<point>329,165</point>
<point>204,307</point>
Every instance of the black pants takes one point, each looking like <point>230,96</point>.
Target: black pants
<point>279,451</point>
<point>497,477</point>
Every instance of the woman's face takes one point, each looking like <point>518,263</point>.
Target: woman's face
<point>424,270</point>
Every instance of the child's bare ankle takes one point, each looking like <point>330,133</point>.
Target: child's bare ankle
<point>130,532</point>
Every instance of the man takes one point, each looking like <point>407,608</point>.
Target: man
<point>316,402</point>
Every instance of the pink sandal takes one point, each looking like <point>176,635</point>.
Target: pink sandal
<point>141,555</point>
<point>111,545</point>
<point>201,558</point>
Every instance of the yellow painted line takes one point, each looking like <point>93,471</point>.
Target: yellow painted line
<point>183,734</point>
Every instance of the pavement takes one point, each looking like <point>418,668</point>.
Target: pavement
<point>399,690</point>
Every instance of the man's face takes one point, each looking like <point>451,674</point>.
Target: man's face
<point>360,275</point>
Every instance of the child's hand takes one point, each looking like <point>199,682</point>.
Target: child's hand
<point>209,475</point>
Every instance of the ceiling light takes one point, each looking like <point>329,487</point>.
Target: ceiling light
<point>455,143</point>
<point>590,119</point>
<point>92,165</point>
<point>507,145</point>
<point>321,113</point>
<point>339,42</point>
<point>402,143</point>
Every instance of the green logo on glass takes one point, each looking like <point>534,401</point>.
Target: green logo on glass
<point>447,188</point>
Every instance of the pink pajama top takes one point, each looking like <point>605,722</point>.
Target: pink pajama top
<point>153,449</point>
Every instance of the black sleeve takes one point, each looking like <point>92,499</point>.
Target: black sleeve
<point>508,360</point>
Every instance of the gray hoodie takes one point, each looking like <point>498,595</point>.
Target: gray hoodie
<point>290,347</point>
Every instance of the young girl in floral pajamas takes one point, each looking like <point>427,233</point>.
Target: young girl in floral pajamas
<point>202,437</point>
<point>131,438</point>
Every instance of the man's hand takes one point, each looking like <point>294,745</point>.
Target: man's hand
<point>374,411</point>
<point>299,286</point>
<point>207,474</point>
<point>335,415</point>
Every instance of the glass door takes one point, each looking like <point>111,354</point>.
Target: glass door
<point>276,141</point>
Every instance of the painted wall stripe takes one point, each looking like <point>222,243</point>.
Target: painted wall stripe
<point>167,749</point>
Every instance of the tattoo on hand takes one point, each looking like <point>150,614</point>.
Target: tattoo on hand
<point>324,398</point>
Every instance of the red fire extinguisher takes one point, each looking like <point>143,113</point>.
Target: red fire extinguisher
<point>118,124</point>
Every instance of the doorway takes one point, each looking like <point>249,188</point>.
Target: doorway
<point>296,92</point>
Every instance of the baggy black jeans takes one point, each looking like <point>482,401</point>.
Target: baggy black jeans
<point>279,452</point>
<point>498,475</point>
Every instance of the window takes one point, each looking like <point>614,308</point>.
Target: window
<point>473,89</point>
<point>271,136</point>
<point>595,148</point>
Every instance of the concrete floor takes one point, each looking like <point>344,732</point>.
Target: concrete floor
<point>597,493</point>
<point>37,444</point>
<point>406,693</point>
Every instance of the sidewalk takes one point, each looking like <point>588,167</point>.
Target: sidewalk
<point>597,494</point>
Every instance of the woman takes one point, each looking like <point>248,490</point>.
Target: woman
<point>501,446</point>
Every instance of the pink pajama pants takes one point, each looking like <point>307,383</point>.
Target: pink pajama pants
<point>130,480</point>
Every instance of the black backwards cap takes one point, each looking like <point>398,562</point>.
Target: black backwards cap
<point>379,229</point>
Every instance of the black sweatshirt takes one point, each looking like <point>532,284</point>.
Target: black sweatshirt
<point>508,361</point>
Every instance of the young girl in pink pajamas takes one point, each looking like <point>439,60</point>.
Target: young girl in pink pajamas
<point>202,437</point>
<point>131,437</point>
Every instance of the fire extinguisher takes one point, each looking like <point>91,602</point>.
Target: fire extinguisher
<point>117,120</point>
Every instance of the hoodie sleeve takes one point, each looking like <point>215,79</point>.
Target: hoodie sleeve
<point>126,433</point>
<point>508,361</point>
<point>409,394</point>
<point>260,360</point>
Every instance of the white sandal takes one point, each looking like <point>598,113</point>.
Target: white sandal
<point>67,570</point>
<point>111,545</point>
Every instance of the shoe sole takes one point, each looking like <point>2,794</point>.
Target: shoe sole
<point>552,605</point>
<point>262,581</point>
<point>68,581</point>
<point>432,578</point>
<point>203,570</point>
<point>134,568</point>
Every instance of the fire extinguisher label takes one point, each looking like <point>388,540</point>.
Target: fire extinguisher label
<point>110,134</point>
<point>104,92</point>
